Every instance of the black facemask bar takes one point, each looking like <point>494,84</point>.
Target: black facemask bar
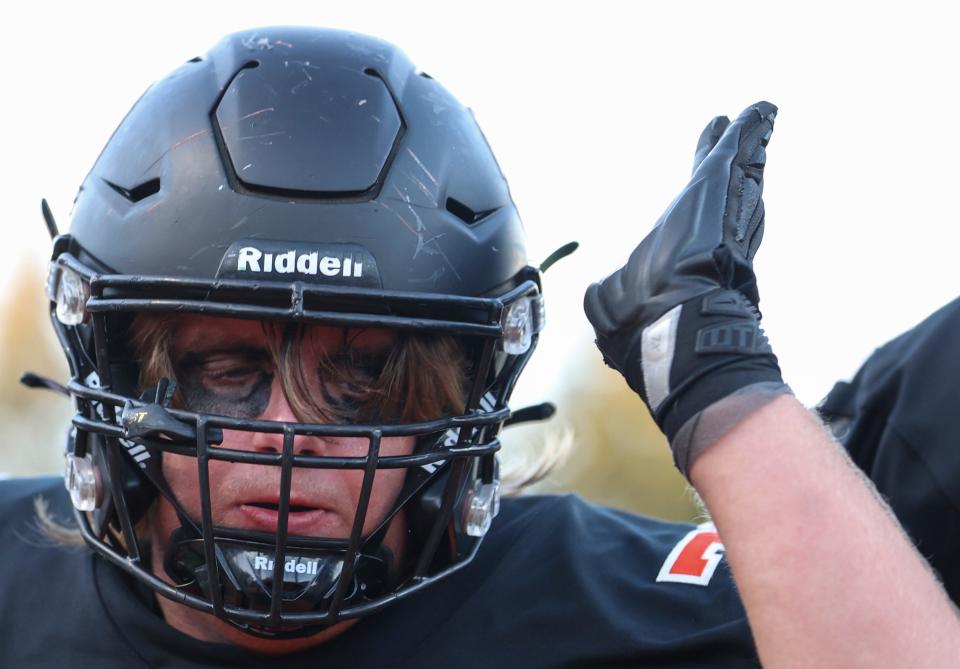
<point>299,301</point>
<point>102,412</point>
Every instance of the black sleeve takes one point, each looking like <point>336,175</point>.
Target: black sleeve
<point>51,614</point>
<point>897,420</point>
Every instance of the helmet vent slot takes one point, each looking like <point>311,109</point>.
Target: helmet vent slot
<point>137,193</point>
<point>465,213</point>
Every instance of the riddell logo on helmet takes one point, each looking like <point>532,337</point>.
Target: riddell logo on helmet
<point>251,259</point>
<point>291,566</point>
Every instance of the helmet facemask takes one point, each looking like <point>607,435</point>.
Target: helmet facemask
<point>285,583</point>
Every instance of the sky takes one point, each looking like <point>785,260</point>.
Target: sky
<point>593,113</point>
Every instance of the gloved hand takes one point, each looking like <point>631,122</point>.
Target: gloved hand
<point>680,319</point>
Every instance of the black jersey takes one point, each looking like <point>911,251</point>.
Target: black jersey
<point>557,582</point>
<point>896,418</point>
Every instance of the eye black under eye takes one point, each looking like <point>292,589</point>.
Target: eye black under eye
<point>245,397</point>
<point>233,382</point>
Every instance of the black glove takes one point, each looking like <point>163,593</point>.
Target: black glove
<point>680,319</point>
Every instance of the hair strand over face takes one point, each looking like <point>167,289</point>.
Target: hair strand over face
<point>420,376</point>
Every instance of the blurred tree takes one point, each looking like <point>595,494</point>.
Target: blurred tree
<point>616,454</point>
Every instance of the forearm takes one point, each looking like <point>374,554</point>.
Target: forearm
<point>826,574</point>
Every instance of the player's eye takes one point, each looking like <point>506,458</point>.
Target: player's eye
<point>348,385</point>
<point>229,384</point>
<point>228,372</point>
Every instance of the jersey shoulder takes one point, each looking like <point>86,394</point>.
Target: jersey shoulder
<point>649,550</point>
<point>908,381</point>
<point>52,612</point>
<point>561,582</point>
<point>20,498</point>
<point>613,584</point>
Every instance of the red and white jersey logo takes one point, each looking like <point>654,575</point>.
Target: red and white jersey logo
<point>695,557</point>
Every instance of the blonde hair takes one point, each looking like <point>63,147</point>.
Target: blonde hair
<point>423,376</point>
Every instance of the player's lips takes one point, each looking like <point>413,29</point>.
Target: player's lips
<point>303,517</point>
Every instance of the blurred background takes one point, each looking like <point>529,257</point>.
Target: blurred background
<point>594,115</point>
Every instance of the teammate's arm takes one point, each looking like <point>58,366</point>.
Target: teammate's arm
<point>827,576</point>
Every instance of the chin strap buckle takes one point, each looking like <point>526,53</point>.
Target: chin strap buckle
<point>154,423</point>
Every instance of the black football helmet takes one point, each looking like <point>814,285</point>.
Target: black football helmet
<point>309,176</point>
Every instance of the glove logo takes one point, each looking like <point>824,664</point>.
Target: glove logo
<point>695,557</point>
<point>728,338</point>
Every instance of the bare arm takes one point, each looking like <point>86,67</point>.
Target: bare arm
<point>826,573</point>
<point>827,576</point>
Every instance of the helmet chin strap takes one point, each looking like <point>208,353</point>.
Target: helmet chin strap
<point>310,574</point>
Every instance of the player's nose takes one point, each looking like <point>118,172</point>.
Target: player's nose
<point>280,410</point>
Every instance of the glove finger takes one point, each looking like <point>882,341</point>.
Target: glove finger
<point>709,138</point>
<point>740,137</point>
<point>608,304</point>
<point>737,162</point>
<point>743,215</point>
<point>594,308</point>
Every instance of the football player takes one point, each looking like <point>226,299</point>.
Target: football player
<point>294,298</point>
